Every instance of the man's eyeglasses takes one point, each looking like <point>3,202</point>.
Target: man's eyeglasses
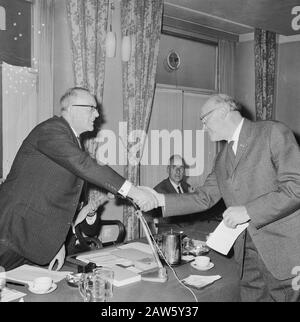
<point>92,107</point>
<point>204,117</point>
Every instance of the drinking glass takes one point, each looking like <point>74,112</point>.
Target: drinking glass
<point>96,286</point>
<point>107,275</point>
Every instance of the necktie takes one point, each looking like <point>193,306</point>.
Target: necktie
<point>179,189</point>
<point>230,157</point>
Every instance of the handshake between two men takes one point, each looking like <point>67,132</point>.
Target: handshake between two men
<point>146,198</point>
<point>178,204</point>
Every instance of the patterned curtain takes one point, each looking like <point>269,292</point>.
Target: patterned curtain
<point>265,72</point>
<point>142,21</point>
<point>88,22</point>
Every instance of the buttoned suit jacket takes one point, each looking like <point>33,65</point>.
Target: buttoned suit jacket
<point>40,195</point>
<point>265,179</point>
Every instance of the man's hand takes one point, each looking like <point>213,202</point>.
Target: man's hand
<point>145,199</point>
<point>96,199</point>
<point>87,209</point>
<point>159,196</point>
<point>234,216</point>
<point>59,258</point>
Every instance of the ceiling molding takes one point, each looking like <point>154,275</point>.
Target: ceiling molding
<point>280,38</point>
<point>206,14</point>
<point>236,16</point>
<point>246,37</point>
<point>287,39</point>
<point>205,20</point>
<point>195,30</point>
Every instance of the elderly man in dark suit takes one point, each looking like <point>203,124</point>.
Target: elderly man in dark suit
<point>40,195</point>
<point>258,175</point>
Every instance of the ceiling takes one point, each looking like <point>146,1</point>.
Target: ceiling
<point>236,16</point>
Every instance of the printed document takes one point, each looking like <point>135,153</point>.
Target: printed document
<point>224,237</point>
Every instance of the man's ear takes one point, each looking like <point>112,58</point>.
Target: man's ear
<point>224,110</point>
<point>169,170</point>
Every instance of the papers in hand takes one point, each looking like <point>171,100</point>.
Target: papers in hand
<point>199,281</point>
<point>224,237</point>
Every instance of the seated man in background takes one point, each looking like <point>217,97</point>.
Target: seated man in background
<point>175,183</point>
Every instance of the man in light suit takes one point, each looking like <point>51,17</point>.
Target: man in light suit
<point>259,180</point>
<point>40,195</point>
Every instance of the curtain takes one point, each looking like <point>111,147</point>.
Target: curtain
<point>88,21</point>
<point>142,21</point>
<point>19,109</point>
<point>265,72</point>
<point>226,67</point>
<point>43,22</point>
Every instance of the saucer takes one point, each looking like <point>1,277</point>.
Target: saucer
<point>51,289</point>
<point>206,268</point>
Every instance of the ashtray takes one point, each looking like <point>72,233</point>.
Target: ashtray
<point>199,248</point>
<point>73,279</point>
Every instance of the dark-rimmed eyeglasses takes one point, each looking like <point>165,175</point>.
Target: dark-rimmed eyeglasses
<point>204,117</point>
<point>92,107</point>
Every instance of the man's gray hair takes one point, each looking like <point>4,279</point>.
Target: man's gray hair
<point>65,100</point>
<point>226,99</point>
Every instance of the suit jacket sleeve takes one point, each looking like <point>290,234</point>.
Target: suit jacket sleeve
<point>284,201</point>
<point>187,203</point>
<point>58,144</point>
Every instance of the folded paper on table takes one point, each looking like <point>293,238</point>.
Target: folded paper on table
<point>223,237</point>
<point>141,260</point>
<point>124,276</point>
<point>103,258</point>
<point>137,254</point>
<point>137,245</point>
<point>199,281</point>
<point>26,274</point>
<point>9,295</point>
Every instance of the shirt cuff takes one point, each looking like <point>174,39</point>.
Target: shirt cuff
<point>161,199</point>
<point>125,188</point>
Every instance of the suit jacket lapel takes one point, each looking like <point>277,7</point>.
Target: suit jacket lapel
<point>75,139</point>
<point>170,186</point>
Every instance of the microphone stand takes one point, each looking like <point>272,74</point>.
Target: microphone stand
<point>162,276</point>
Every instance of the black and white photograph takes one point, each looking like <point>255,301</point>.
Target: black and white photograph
<point>149,154</point>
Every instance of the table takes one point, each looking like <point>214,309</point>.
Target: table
<point>225,289</point>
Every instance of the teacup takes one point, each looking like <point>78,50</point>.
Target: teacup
<point>42,284</point>
<point>202,261</point>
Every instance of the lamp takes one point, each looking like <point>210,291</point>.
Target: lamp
<point>110,41</point>
<point>126,48</point>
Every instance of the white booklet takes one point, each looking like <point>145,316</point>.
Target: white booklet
<point>224,237</point>
<point>9,295</point>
